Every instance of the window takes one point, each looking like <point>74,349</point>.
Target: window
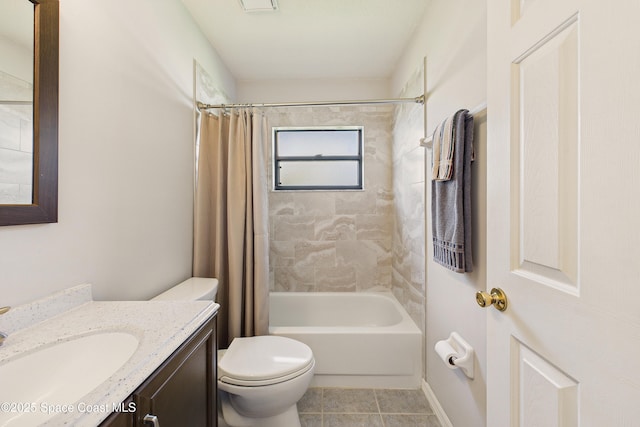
<point>318,158</point>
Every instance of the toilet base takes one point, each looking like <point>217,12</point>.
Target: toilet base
<point>229,417</point>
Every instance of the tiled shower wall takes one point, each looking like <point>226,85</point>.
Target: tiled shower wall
<point>16,141</point>
<point>408,266</point>
<point>16,154</point>
<point>336,240</point>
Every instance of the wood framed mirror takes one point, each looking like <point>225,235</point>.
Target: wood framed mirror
<point>44,200</point>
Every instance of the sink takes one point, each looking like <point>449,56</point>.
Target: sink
<point>59,374</point>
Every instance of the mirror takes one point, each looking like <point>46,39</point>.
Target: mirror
<point>22,100</point>
<point>16,101</point>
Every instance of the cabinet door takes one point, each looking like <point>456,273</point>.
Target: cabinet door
<point>182,391</point>
<point>120,419</point>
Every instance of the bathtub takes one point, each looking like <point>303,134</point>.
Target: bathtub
<point>359,339</point>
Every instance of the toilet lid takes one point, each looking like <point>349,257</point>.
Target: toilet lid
<point>263,360</point>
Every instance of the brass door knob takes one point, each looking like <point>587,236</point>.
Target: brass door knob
<point>497,298</point>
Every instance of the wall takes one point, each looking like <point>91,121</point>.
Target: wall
<point>331,241</point>
<point>126,155</point>
<point>336,240</point>
<point>453,37</point>
<point>408,266</point>
<point>408,189</point>
<point>304,90</point>
<point>16,59</point>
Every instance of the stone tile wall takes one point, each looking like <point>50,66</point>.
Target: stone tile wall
<point>336,240</point>
<point>16,141</point>
<point>408,265</point>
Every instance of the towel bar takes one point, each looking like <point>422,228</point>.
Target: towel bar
<point>427,141</point>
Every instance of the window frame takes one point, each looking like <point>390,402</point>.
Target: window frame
<point>359,158</point>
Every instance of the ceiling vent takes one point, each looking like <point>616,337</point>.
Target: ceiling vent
<point>251,6</point>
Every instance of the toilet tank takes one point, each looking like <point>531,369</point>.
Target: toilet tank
<point>195,288</point>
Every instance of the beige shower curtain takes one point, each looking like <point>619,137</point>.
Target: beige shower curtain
<point>231,220</point>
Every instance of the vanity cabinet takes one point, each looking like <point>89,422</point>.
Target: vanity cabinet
<point>181,392</point>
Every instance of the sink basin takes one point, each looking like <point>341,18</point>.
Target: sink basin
<point>59,374</point>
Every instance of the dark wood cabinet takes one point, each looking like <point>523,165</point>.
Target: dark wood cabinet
<point>121,419</point>
<point>182,391</point>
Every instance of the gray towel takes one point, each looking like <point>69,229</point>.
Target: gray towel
<point>451,202</point>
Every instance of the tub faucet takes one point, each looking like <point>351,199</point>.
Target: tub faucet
<point>3,310</point>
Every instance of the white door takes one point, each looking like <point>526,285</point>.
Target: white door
<point>564,212</point>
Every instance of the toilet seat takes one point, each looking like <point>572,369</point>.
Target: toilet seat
<point>264,360</point>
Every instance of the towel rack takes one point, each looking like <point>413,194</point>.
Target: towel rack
<point>427,141</point>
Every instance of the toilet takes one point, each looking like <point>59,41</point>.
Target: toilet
<point>260,379</point>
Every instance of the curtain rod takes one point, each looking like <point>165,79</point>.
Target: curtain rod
<point>417,100</point>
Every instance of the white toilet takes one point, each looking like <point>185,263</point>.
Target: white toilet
<point>260,379</point>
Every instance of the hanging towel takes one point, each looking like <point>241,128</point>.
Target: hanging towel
<point>451,200</point>
<point>443,149</point>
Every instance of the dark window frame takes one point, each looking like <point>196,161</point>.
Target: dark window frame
<point>277,158</point>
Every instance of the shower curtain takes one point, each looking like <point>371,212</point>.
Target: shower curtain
<point>231,220</point>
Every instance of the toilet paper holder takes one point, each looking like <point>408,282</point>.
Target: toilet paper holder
<point>455,352</point>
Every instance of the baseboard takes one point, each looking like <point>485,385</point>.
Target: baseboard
<point>435,405</point>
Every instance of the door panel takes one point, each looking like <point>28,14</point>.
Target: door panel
<point>543,394</point>
<point>545,144</point>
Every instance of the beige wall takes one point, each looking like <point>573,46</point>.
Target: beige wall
<point>126,155</point>
<point>336,240</point>
<point>453,37</point>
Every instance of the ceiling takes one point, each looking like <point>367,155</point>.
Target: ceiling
<point>309,39</point>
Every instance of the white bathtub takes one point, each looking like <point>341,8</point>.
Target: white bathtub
<point>359,339</point>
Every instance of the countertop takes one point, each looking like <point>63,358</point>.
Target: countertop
<point>160,326</point>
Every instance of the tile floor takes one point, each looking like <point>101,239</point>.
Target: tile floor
<point>341,407</point>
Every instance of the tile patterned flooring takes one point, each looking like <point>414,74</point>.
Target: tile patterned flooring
<point>338,407</point>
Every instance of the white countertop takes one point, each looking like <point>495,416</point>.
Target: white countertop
<point>160,326</point>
